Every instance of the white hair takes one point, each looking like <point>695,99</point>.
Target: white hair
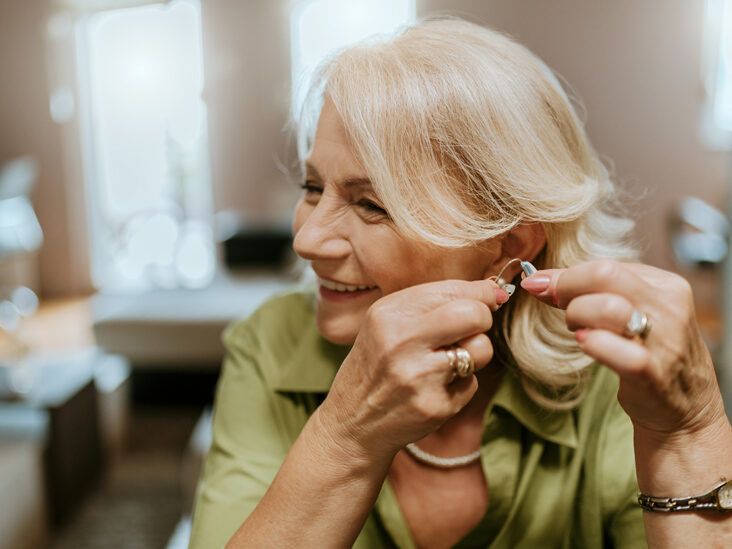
<point>465,134</point>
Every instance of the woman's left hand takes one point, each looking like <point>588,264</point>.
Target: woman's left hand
<point>668,385</point>
<point>682,437</point>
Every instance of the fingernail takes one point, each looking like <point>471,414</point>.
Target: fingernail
<point>536,283</point>
<point>581,334</point>
<point>501,296</point>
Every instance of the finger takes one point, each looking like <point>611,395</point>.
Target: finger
<point>461,391</point>
<point>480,349</point>
<point>599,311</point>
<point>626,357</point>
<point>558,287</point>
<point>435,294</point>
<point>542,285</point>
<point>454,321</point>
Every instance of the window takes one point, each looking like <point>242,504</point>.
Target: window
<point>318,27</point>
<point>717,119</point>
<point>146,159</point>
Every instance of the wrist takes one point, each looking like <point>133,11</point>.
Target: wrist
<point>683,463</point>
<point>332,441</point>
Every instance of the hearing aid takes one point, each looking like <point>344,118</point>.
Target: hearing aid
<point>527,268</point>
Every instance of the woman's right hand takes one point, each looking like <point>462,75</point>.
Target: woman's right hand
<point>395,386</point>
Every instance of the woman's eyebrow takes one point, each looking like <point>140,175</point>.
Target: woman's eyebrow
<point>312,170</point>
<point>347,183</point>
<point>357,182</point>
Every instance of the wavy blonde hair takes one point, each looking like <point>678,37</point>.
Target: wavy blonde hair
<point>466,134</point>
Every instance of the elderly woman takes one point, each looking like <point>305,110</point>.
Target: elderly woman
<point>412,401</point>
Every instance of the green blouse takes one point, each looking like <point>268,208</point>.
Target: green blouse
<point>557,479</point>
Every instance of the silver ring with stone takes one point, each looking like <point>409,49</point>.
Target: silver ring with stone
<point>638,326</point>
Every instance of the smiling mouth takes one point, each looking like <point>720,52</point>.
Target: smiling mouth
<point>344,288</point>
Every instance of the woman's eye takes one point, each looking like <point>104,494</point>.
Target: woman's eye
<point>310,188</point>
<point>372,208</point>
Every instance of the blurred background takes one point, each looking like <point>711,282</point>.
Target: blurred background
<point>145,202</point>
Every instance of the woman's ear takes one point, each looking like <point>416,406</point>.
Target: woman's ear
<point>525,242</point>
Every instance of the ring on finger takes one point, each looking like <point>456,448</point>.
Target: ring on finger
<point>465,366</point>
<point>452,358</point>
<point>452,361</point>
<point>638,326</point>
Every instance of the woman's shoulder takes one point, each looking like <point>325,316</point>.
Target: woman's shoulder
<point>280,343</point>
<point>277,324</point>
<point>283,310</point>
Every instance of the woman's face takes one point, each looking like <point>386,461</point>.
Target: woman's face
<point>340,228</point>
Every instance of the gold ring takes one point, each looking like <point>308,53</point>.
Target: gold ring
<point>465,366</point>
<point>451,358</point>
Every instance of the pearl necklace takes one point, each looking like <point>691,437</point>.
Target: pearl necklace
<point>441,462</point>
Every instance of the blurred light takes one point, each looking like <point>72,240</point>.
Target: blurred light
<point>146,79</point>
<point>25,300</point>
<point>22,378</point>
<point>320,27</point>
<point>19,228</point>
<point>703,216</point>
<point>194,260</point>
<point>146,139</point>
<point>699,233</point>
<point>723,103</point>
<point>227,223</point>
<point>699,248</point>
<point>62,105</point>
<point>9,316</point>
<point>716,120</point>
<point>151,241</point>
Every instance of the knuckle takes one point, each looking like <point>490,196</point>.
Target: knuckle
<point>604,270</point>
<point>643,370</point>
<point>401,377</point>
<point>383,335</point>
<point>474,315</point>
<point>387,342</point>
<point>574,309</point>
<point>453,288</point>
<point>645,375</point>
<point>680,284</point>
<point>383,343</point>
<point>615,307</point>
<point>375,313</point>
<point>682,288</point>
<point>428,410</point>
<point>679,300</point>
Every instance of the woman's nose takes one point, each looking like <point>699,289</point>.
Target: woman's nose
<point>319,234</point>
